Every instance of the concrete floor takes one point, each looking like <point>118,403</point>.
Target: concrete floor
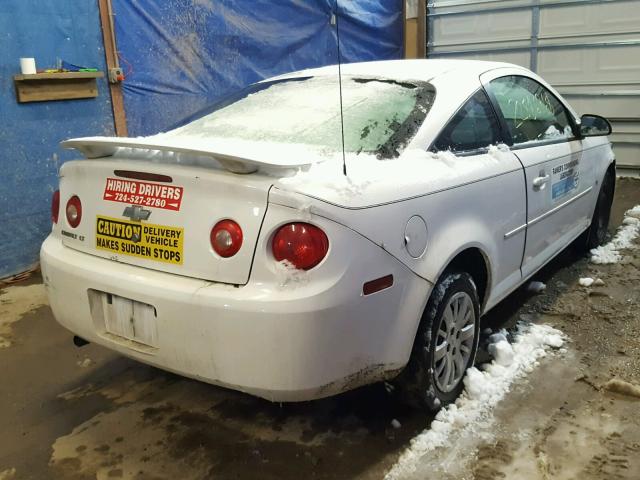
<point>87,413</point>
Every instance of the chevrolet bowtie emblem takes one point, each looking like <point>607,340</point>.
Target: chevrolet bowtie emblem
<point>136,213</point>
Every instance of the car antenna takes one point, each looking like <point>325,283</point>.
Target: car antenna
<point>344,156</point>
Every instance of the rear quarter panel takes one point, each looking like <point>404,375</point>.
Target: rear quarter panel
<point>474,214</point>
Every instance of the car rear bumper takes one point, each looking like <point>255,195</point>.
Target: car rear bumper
<point>288,343</point>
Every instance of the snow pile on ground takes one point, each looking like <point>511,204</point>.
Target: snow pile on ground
<point>500,349</point>
<point>586,281</point>
<point>536,287</point>
<point>625,236</point>
<point>483,390</point>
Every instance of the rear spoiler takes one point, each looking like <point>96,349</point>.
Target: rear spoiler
<point>98,147</point>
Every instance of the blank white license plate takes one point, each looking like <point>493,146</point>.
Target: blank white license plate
<point>130,319</point>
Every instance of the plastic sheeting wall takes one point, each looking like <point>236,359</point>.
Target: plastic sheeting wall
<point>180,55</point>
<point>30,132</point>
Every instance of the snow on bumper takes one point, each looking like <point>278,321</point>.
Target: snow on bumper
<point>291,343</point>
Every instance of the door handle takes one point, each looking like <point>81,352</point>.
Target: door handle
<point>540,182</point>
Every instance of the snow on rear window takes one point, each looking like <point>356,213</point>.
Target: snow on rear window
<point>380,116</point>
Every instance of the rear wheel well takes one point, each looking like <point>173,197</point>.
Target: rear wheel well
<point>473,262</point>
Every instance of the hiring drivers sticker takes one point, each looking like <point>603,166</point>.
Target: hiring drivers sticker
<point>143,193</point>
<point>143,240</point>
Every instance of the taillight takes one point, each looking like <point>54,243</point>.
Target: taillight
<point>74,211</point>
<point>226,238</point>
<point>55,206</point>
<point>302,244</point>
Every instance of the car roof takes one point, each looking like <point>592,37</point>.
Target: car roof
<point>414,69</point>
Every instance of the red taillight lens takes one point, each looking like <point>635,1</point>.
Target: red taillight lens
<point>226,238</point>
<point>74,211</point>
<point>302,244</point>
<point>55,206</point>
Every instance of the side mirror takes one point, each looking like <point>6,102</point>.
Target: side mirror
<point>594,126</point>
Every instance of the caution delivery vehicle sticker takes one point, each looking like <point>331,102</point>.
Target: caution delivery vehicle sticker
<point>144,240</point>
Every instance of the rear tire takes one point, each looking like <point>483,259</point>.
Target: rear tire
<point>445,345</point>
<point>598,230</point>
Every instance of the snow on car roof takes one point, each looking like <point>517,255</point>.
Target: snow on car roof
<point>414,69</point>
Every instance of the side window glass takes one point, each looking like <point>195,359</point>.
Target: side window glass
<point>474,126</point>
<point>530,111</point>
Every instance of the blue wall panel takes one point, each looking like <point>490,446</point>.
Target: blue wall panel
<point>29,133</point>
<point>181,55</point>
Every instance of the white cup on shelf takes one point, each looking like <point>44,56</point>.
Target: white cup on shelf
<point>28,65</point>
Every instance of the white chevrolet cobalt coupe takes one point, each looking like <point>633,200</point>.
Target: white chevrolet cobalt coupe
<point>257,248</point>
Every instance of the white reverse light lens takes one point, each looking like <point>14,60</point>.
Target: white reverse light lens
<point>224,239</point>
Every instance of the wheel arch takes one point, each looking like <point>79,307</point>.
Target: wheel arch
<point>604,172</point>
<point>611,171</point>
<point>473,260</point>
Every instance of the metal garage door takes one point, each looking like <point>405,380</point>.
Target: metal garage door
<point>588,49</point>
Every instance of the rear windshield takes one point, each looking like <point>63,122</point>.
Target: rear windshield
<point>381,116</point>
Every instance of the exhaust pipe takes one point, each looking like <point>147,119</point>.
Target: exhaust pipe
<point>79,341</point>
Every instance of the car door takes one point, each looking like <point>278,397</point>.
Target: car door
<point>499,200</point>
<point>542,132</point>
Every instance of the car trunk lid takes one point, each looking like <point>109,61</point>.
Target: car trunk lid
<point>160,216</point>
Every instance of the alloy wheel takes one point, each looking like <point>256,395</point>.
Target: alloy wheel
<point>454,342</point>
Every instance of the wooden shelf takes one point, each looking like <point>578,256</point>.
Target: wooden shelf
<point>42,87</point>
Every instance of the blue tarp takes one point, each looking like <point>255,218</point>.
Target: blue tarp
<point>180,55</point>
<point>29,133</point>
